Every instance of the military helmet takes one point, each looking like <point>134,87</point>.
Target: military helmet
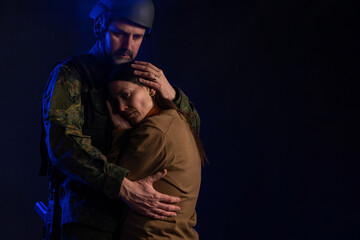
<point>140,12</point>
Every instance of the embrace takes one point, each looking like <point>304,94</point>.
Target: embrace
<point>120,144</point>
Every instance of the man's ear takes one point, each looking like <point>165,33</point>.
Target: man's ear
<point>99,27</point>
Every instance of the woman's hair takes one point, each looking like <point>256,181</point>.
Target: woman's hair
<point>124,72</point>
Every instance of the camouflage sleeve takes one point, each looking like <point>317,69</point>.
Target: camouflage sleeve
<point>70,150</point>
<point>183,102</point>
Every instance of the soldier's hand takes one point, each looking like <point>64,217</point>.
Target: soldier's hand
<point>154,77</point>
<point>142,198</point>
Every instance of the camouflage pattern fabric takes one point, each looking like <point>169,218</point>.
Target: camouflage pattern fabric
<point>183,102</point>
<point>70,150</point>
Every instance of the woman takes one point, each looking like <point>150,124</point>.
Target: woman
<point>152,134</point>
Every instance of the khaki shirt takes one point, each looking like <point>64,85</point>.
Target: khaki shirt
<point>163,141</point>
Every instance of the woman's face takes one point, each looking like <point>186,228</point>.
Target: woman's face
<point>132,101</point>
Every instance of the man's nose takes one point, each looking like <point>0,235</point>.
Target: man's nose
<point>127,43</point>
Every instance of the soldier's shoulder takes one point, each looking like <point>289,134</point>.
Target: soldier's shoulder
<point>76,62</point>
<point>71,67</point>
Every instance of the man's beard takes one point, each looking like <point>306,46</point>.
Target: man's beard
<point>118,59</point>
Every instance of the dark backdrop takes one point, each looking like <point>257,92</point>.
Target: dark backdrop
<point>275,83</point>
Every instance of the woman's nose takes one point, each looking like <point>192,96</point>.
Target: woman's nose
<point>122,106</point>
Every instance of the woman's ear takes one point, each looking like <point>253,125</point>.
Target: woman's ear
<point>152,92</point>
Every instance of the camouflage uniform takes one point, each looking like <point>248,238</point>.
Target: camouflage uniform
<point>91,184</point>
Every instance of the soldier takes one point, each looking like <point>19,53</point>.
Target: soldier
<point>85,187</point>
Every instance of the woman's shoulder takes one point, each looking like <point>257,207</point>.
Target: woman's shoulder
<point>163,120</point>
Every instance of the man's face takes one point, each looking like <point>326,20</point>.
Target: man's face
<point>123,40</point>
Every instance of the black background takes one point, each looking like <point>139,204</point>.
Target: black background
<point>275,83</point>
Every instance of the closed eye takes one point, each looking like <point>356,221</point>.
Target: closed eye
<point>117,32</point>
<point>125,95</point>
<point>138,37</point>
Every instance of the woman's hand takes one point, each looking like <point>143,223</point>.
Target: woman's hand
<point>118,121</point>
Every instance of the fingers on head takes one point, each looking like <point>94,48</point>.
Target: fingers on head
<point>150,75</point>
<point>149,84</point>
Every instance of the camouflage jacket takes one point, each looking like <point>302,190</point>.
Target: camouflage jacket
<point>90,189</point>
